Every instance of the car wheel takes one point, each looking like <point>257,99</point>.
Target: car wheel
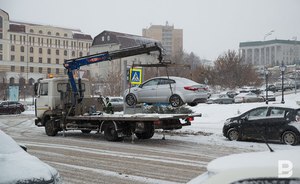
<point>175,101</point>
<point>18,111</point>
<point>233,134</point>
<point>51,128</point>
<point>131,99</point>
<point>289,137</point>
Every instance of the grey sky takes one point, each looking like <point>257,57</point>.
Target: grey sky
<point>210,27</point>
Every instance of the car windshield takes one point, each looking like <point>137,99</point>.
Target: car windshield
<point>7,144</point>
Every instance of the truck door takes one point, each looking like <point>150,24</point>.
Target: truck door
<point>42,99</point>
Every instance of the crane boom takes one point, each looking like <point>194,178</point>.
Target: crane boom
<point>74,64</point>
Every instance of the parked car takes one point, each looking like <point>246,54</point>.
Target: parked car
<point>220,99</point>
<point>174,90</point>
<point>265,123</point>
<point>272,88</point>
<point>18,166</point>
<point>255,167</point>
<point>287,85</point>
<point>248,97</point>
<point>271,96</point>
<point>8,107</point>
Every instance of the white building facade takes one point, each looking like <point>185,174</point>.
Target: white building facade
<point>270,53</point>
<point>30,51</point>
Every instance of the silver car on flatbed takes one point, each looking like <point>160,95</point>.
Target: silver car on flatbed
<point>174,90</point>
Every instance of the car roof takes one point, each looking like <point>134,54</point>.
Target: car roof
<point>253,160</point>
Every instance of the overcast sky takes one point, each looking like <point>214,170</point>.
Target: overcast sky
<point>210,27</point>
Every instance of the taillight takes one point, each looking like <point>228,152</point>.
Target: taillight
<point>297,118</point>
<point>190,119</point>
<point>190,88</point>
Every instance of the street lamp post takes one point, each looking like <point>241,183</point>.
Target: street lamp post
<point>282,69</point>
<point>267,74</point>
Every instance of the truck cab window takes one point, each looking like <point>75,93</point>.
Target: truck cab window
<point>44,89</point>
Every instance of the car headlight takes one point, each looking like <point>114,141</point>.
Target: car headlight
<point>227,122</point>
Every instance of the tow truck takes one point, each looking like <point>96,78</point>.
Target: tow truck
<point>64,104</point>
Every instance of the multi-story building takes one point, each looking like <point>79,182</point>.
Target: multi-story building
<point>270,53</point>
<point>171,38</point>
<point>30,51</point>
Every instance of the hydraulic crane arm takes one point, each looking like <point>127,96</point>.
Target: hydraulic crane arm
<point>75,64</point>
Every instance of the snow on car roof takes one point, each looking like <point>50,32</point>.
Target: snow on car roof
<point>254,160</point>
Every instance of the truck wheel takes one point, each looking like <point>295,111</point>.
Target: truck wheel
<point>131,99</point>
<point>18,111</point>
<point>51,128</point>
<point>175,101</point>
<point>111,134</point>
<point>148,133</point>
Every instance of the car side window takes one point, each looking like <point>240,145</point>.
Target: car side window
<point>153,82</point>
<point>166,81</point>
<point>257,113</point>
<point>275,112</point>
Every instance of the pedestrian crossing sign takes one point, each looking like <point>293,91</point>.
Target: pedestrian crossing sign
<point>135,75</point>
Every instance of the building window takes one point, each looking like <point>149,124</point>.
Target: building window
<point>103,38</point>
<point>40,70</point>
<point>57,61</point>
<point>57,34</point>
<point>31,31</point>
<point>40,32</point>
<point>1,35</point>
<point>40,60</point>
<point>22,58</point>
<point>57,52</point>
<point>11,81</point>
<point>40,50</point>
<point>49,51</point>
<point>12,68</point>
<point>65,52</point>
<point>12,57</point>
<point>1,57</point>
<point>48,60</point>
<point>22,68</point>
<point>80,54</point>
<point>22,48</point>
<point>1,22</point>
<point>31,69</point>
<point>57,71</point>
<point>65,35</point>
<point>31,59</point>
<point>1,47</point>
<point>73,53</point>
<point>12,48</point>
<point>31,50</point>
<point>48,70</point>
<point>108,38</point>
<point>49,33</point>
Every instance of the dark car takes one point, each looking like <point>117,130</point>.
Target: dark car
<point>265,123</point>
<point>18,166</point>
<point>8,107</point>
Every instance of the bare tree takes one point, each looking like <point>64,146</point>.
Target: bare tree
<point>231,72</point>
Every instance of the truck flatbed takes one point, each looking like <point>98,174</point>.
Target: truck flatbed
<point>131,117</point>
